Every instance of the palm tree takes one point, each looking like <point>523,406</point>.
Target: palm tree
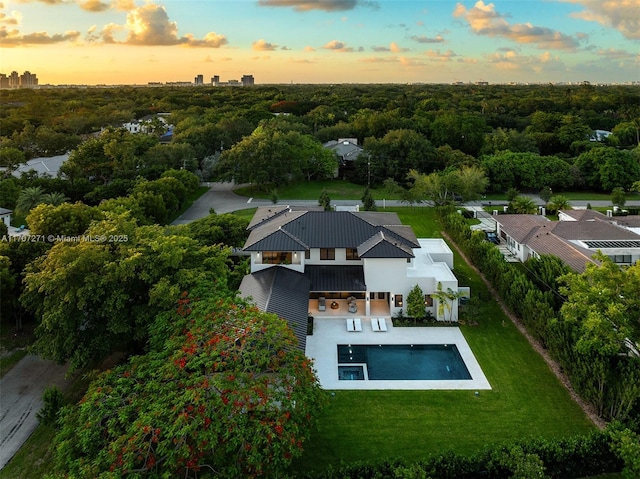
<point>445,301</point>
<point>558,202</point>
<point>523,205</point>
<point>29,198</point>
<point>56,198</point>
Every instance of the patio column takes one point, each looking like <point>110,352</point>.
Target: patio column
<point>367,304</point>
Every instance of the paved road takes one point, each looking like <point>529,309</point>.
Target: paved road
<point>222,199</point>
<point>21,398</point>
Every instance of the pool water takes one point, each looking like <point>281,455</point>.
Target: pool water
<point>402,362</point>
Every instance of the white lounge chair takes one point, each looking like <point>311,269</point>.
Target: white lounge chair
<point>383,324</point>
<point>357,324</point>
<point>354,324</point>
<point>375,326</point>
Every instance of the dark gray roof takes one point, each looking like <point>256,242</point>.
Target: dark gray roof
<point>381,246</point>
<point>283,292</point>
<point>324,229</point>
<point>335,278</point>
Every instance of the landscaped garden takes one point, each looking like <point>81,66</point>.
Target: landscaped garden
<point>526,399</point>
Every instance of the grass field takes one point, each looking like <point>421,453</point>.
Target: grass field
<point>526,399</point>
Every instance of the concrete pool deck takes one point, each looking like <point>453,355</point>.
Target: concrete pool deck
<point>329,332</point>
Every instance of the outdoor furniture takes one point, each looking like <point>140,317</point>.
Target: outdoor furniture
<point>322,306</point>
<point>353,308</point>
<point>378,324</point>
<point>354,324</point>
<point>334,305</point>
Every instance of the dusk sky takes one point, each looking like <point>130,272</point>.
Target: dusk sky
<point>321,41</point>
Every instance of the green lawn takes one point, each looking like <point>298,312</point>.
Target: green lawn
<point>34,457</point>
<point>526,399</point>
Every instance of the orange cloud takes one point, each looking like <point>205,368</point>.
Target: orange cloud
<point>397,49</point>
<point>94,6</point>
<point>14,19</point>
<point>264,46</point>
<point>485,20</point>
<point>423,39</point>
<point>337,46</point>
<point>13,37</point>
<point>435,55</point>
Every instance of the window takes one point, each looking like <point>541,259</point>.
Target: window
<point>621,258</point>
<point>428,300</point>
<point>327,253</point>
<point>398,300</point>
<point>276,257</point>
<point>352,253</point>
<point>307,254</point>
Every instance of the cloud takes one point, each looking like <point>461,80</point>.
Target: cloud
<point>623,15</point>
<point>485,20</point>
<point>15,18</point>
<point>264,46</point>
<point>379,60</point>
<point>337,46</point>
<point>13,37</point>
<point>309,48</point>
<point>325,5</point>
<point>381,49</point>
<point>397,49</point>
<point>510,60</point>
<point>423,39</point>
<point>436,55</point>
<point>149,25</point>
<point>612,53</point>
<point>95,6</point>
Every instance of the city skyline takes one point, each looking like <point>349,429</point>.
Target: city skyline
<point>322,41</point>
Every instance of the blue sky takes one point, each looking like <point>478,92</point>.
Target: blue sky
<point>322,41</point>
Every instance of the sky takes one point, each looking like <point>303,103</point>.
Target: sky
<point>321,41</point>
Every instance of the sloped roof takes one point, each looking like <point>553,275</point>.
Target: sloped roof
<point>283,292</point>
<point>546,243</point>
<point>302,230</point>
<point>520,226</point>
<point>381,246</point>
<point>335,278</point>
<point>591,230</point>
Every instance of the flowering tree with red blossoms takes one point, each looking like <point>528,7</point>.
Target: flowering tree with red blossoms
<point>229,396</point>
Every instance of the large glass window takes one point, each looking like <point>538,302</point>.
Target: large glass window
<point>352,253</point>
<point>327,253</point>
<point>307,254</point>
<point>276,257</point>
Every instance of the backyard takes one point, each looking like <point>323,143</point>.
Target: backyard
<point>526,399</point>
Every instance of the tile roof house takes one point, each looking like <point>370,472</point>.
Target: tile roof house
<point>361,263</point>
<point>574,239</point>
<point>346,149</point>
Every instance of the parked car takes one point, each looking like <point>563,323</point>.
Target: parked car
<point>492,237</point>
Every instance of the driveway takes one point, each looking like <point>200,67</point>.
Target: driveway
<point>21,398</point>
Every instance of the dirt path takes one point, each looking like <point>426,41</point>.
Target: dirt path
<point>554,366</point>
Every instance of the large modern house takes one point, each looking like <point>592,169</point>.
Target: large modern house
<point>342,264</point>
<point>574,239</point>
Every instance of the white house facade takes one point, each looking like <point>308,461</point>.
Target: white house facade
<point>345,262</point>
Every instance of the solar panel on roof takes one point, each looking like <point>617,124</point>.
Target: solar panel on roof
<point>613,244</point>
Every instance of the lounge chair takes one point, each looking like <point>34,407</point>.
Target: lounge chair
<point>383,324</point>
<point>322,304</point>
<point>375,326</point>
<point>354,324</point>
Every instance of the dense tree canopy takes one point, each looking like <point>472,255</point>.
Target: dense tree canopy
<point>224,392</point>
<point>96,295</point>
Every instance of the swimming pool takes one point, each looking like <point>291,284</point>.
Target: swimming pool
<point>400,362</point>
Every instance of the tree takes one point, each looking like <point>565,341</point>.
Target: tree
<point>618,197</point>
<point>324,200</point>
<point>66,219</point>
<point>445,300</point>
<point>226,229</point>
<point>11,158</point>
<point>190,181</point>
<point>558,202</point>
<point>93,296</point>
<point>56,198</point>
<point>415,303</point>
<point>368,203</point>
<point>523,205</point>
<point>604,168</point>
<point>545,194</point>
<point>224,389</point>
<point>29,198</point>
<point>441,188</point>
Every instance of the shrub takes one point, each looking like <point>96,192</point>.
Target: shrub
<point>53,401</point>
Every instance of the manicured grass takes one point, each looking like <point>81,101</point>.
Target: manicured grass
<point>526,399</point>
<point>34,457</point>
<point>245,214</point>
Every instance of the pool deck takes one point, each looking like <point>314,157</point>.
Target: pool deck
<point>329,332</point>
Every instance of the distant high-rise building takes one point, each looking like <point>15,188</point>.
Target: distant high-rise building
<point>199,80</point>
<point>4,80</point>
<point>215,80</point>
<point>28,80</point>
<point>247,80</point>
<point>14,80</point>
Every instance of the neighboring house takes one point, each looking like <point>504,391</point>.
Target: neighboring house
<point>361,262</point>
<point>148,124</point>
<point>345,149</point>
<point>43,166</point>
<point>5,216</point>
<point>599,135</point>
<point>574,239</point>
